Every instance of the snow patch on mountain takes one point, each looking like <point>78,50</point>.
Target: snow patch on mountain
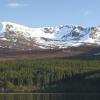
<point>63,36</point>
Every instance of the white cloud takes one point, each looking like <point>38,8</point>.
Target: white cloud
<point>15,4</point>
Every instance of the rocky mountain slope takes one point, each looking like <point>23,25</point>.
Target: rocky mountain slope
<point>16,36</point>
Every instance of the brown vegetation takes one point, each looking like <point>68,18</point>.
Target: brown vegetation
<point>12,54</point>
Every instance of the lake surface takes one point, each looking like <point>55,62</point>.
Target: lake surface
<point>51,96</point>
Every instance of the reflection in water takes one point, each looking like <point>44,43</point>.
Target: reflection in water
<point>49,96</point>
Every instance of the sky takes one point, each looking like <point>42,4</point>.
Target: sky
<point>44,13</point>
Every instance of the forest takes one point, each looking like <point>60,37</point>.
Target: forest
<point>50,75</point>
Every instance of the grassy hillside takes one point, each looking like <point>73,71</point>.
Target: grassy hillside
<point>50,75</point>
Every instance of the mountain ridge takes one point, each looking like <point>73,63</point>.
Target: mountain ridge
<point>63,36</point>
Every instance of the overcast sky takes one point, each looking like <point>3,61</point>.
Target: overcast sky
<point>38,13</point>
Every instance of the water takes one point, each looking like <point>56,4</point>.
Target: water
<point>49,96</point>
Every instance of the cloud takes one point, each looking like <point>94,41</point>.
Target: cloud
<point>15,4</point>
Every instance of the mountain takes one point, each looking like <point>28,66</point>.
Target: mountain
<point>16,36</point>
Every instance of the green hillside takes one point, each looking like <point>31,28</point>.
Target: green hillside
<point>50,75</point>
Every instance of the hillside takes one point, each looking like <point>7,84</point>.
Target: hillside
<point>20,37</point>
<point>53,75</point>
